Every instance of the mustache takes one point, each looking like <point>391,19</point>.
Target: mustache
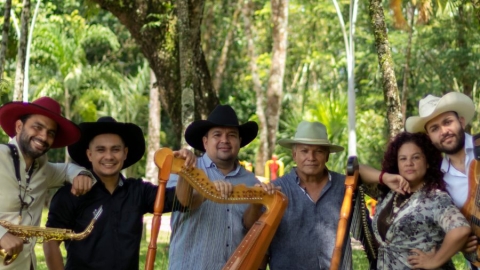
<point>446,136</point>
<point>42,142</point>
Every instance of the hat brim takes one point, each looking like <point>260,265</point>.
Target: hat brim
<point>131,134</point>
<point>67,131</point>
<point>451,102</point>
<point>289,143</point>
<point>197,129</point>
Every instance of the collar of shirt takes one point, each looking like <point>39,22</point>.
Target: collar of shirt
<point>210,164</point>
<point>446,168</point>
<point>297,179</point>
<point>121,181</point>
<point>20,153</point>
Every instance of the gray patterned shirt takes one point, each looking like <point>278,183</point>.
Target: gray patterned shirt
<point>205,238</point>
<point>422,223</point>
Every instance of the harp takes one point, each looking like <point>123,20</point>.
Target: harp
<point>471,208</point>
<point>353,218</point>
<point>251,251</point>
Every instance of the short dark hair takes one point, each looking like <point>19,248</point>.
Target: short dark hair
<point>433,176</point>
<point>25,117</point>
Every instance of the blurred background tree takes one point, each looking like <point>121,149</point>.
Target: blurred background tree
<point>95,58</point>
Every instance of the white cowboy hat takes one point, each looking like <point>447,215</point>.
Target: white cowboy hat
<point>432,106</point>
<point>312,133</point>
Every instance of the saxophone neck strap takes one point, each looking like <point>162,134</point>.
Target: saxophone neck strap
<point>16,160</point>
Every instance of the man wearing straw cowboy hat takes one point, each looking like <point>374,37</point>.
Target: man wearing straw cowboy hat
<point>210,232</point>
<point>305,237</point>
<point>106,147</point>
<point>443,119</point>
<point>25,173</point>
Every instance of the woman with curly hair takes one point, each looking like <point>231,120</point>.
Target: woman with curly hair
<point>422,229</point>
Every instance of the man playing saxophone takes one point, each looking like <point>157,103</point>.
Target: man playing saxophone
<point>25,173</point>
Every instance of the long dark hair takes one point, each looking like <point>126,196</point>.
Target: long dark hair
<point>433,176</point>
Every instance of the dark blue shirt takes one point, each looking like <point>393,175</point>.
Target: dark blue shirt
<point>114,242</point>
<point>305,238</point>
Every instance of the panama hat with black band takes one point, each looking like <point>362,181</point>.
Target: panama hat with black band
<point>311,133</point>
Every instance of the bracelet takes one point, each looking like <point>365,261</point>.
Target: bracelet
<point>380,178</point>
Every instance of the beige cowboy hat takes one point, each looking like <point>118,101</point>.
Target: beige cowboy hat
<point>312,133</point>
<point>432,106</point>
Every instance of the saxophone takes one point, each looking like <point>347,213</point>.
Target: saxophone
<point>44,234</point>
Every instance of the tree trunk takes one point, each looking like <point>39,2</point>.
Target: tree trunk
<point>21,53</point>
<point>5,31</point>
<point>67,114</point>
<point>390,89</point>
<point>158,40</point>
<point>277,70</point>
<point>222,61</point>
<point>185,58</point>
<point>466,79</point>
<point>262,155</point>
<point>153,143</point>
<point>408,56</point>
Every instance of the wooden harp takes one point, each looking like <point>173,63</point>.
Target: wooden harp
<point>251,251</point>
<point>471,208</point>
<point>166,158</point>
<point>353,218</point>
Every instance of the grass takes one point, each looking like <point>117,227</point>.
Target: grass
<point>360,261</point>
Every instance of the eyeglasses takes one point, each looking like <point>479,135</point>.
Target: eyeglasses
<point>25,201</point>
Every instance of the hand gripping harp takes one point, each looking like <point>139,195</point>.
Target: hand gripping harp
<point>44,234</point>
<point>251,251</point>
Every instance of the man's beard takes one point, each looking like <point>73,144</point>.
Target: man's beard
<point>457,147</point>
<point>25,146</point>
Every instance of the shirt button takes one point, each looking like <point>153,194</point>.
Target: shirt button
<point>228,227</point>
<point>228,210</point>
<point>227,245</point>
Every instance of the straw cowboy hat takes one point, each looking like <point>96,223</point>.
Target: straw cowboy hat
<point>131,135</point>
<point>221,116</point>
<point>312,133</point>
<point>67,131</point>
<point>432,106</point>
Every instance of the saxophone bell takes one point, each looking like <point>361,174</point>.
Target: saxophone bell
<point>43,234</point>
<point>7,258</point>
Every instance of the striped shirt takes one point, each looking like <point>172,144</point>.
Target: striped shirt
<point>205,238</point>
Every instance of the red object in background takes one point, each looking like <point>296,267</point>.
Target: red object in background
<point>273,168</point>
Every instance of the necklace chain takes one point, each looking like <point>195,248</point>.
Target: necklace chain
<point>396,209</point>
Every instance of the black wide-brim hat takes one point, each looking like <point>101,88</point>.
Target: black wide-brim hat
<point>131,135</point>
<point>67,131</point>
<point>221,116</point>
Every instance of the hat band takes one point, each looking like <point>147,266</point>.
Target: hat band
<point>311,140</point>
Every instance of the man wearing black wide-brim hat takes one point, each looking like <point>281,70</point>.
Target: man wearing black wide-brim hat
<point>210,233</point>
<point>106,147</point>
<point>26,174</point>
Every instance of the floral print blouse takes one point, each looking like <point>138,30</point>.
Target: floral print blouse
<point>421,223</point>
